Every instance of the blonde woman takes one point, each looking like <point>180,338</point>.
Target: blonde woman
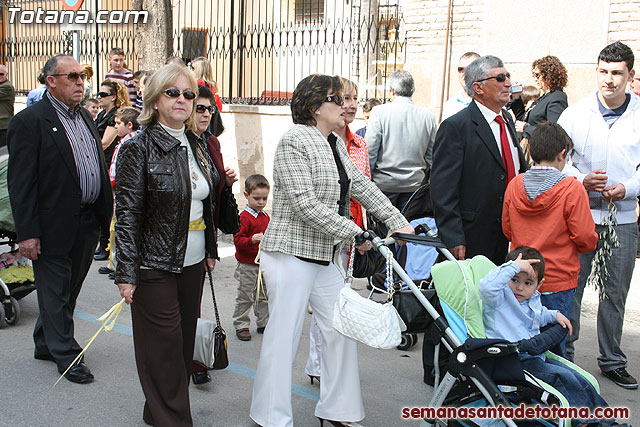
<point>203,71</point>
<point>166,186</point>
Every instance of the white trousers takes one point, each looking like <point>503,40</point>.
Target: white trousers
<point>315,346</point>
<point>293,284</point>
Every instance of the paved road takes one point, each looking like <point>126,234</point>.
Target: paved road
<point>390,379</point>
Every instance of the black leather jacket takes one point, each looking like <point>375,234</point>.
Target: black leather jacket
<point>153,202</point>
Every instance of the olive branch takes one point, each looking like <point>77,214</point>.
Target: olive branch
<point>599,269</point>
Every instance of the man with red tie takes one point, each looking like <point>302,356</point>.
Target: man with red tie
<point>476,154</point>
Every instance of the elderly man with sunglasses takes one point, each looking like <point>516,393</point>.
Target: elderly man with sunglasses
<point>59,190</point>
<point>475,156</point>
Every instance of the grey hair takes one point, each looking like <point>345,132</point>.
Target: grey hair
<point>402,83</point>
<point>51,66</point>
<point>478,70</point>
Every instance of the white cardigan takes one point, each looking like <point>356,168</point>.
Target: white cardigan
<point>615,149</point>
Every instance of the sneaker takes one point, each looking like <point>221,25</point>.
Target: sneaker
<point>243,334</point>
<point>621,377</point>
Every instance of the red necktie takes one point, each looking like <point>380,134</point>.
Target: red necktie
<point>507,158</point>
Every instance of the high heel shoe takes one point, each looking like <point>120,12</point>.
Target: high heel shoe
<point>314,377</point>
<point>339,423</point>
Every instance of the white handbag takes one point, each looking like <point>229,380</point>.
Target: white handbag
<point>377,325</point>
<point>203,350</point>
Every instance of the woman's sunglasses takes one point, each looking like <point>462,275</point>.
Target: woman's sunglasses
<point>174,93</point>
<point>104,94</point>
<point>336,99</point>
<point>202,108</point>
<point>499,77</point>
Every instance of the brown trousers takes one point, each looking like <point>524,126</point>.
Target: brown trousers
<point>164,314</point>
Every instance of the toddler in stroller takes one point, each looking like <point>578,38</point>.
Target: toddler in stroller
<point>512,310</point>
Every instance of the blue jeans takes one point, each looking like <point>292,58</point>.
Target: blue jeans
<point>573,386</point>
<point>611,309</point>
<point>563,302</point>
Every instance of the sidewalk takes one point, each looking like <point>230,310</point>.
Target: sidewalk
<point>391,379</point>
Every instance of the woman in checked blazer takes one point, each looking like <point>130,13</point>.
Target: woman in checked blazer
<point>313,181</point>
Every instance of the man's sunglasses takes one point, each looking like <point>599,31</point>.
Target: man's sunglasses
<point>174,93</point>
<point>499,77</point>
<point>104,94</point>
<point>336,99</point>
<point>202,108</point>
<point>72,76</point>
<point>461,69</point>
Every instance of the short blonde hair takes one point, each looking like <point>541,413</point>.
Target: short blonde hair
<point>156,84</point>
<point>349,84</point>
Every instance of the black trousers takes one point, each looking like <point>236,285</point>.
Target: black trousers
<point>164,314</point>
<point>59,280</point>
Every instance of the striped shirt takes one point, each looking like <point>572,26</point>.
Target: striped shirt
<point>126,78</point>
<point>539,179</point>
<point>83,145</point>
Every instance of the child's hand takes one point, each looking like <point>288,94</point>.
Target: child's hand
<point>525,266</point>
<point>566,323</point>
<point>257,238</point>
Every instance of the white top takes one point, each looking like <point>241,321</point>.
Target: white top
<point>454,105</point>
<point>195,251</point>
<point>490,117</point>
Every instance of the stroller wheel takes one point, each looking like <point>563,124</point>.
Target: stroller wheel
<point>415,339</point>
<point>12,314</point>
<point>3,319</point>
<point>406,343</point>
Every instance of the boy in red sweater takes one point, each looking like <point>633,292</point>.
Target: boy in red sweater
<point>253,223</point>
<point>547,210</point>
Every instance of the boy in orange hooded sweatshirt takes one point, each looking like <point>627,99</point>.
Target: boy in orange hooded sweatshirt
<point>549,211</point>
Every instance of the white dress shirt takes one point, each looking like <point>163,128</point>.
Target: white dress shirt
<point>490,117</point>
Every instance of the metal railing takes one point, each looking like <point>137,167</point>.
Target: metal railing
<point>259,49</point>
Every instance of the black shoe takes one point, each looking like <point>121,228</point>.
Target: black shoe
<point>112,275</point>
<point>200,377</point>
<point>621,377</point>
<point>44,356</point>
<point>79,374</point>
<point>103,255</point>
<point>105,270</point>
<point>97,251</point>
<point>260,330</point>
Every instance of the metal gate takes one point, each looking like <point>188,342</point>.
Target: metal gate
<point>259,49</point>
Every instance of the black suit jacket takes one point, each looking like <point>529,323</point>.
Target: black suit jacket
<point>547,108</point>
<point>468,181</point>
<point>44,188</point>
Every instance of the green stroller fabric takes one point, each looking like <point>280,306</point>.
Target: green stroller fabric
<point>6,216</point>
<point>457,286</point>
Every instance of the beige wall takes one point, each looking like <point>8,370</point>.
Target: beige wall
<point>519,32</point>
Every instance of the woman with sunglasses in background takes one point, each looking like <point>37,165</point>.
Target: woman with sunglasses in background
<point>313,181</point>
<point>166,186</point>
<point>112,95</point>
<point>201,67</point>
<point>204,108</point>
<point>550,76</point>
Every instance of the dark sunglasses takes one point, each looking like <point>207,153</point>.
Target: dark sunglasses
<point>104,94</point>
<point>336,99</point>
<point>72,76</point>
<point>202,108</point>
<point>535,75</point>
<point>499,77</point>
<point>174,93</point>
<point>461,69</point>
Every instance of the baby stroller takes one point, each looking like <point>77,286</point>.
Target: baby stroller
<point>415,258</point>
<point>480,372</point>
<point>16,273</point>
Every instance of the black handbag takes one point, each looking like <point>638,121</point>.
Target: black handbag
<point>216,126</point>
<point>229,220</point>
<point>412,312</point>
<point>221,360</point>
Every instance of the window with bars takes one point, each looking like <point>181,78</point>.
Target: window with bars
<point>194,42</point>
<point>309,10</point>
